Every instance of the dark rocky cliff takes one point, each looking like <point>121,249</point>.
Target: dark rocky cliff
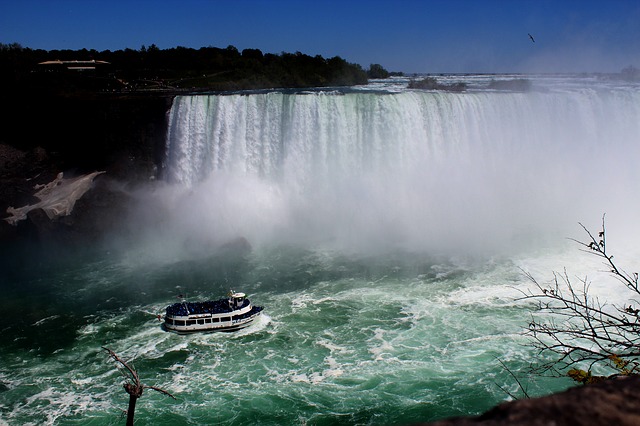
<point>42,135</point>
<point>87,132</point>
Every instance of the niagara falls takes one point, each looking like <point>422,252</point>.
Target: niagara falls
<point>290,213</point>
<point>387,234</point>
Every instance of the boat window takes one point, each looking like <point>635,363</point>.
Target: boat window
<point>207,320</point>
<point>191,322</point>
<point>178,322</point>
<point>225,319</point>
<point>216,319</point>
<point>200,321</point>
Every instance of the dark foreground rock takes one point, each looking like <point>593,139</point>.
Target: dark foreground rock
<point>609,403</point>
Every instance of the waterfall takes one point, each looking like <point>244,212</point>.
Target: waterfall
<point>379,168</point>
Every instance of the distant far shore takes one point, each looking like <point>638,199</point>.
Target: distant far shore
<point>173,70</point>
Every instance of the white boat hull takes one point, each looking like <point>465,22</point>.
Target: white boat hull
<point>230,314</point>
<point>187,325</point>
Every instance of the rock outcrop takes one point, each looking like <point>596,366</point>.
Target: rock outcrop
<point>56,198</point>
<point>608,403</point>
<point>77,135</point>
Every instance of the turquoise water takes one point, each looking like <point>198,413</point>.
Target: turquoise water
<point>389,229</point>
<point>344,340</point>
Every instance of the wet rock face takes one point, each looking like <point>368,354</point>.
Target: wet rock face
<point>122,135</point>
<point>20,171</point>
<point>612,402</point>
<point>97,212</point>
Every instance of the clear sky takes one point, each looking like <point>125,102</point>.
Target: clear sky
<point>401,35</point>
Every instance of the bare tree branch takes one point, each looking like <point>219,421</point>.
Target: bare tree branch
<point>576,327</point>
<point>522,388</point>
<point>133,386</point>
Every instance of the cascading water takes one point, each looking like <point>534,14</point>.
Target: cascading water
<point>388,229</point>
<point>429,170</point>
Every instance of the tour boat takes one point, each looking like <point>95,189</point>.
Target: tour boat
<point>226,314</point>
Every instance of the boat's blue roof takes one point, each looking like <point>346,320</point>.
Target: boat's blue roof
<point>219,306</point>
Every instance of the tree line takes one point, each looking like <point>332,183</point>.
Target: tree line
<point>180,68</point>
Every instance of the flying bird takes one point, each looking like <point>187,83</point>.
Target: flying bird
<point>531,37</point>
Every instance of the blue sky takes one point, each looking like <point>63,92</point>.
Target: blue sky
<point>402,35</point>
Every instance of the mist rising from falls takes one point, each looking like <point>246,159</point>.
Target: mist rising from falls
<point>411,170</point>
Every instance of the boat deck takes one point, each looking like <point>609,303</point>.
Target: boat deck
<point>220,306</point>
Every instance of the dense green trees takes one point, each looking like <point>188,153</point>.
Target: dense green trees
<point>377,71</point>
<point>209,68</point>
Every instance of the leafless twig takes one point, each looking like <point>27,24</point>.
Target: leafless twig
<point>580,330</point>
<point>133,386</point>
